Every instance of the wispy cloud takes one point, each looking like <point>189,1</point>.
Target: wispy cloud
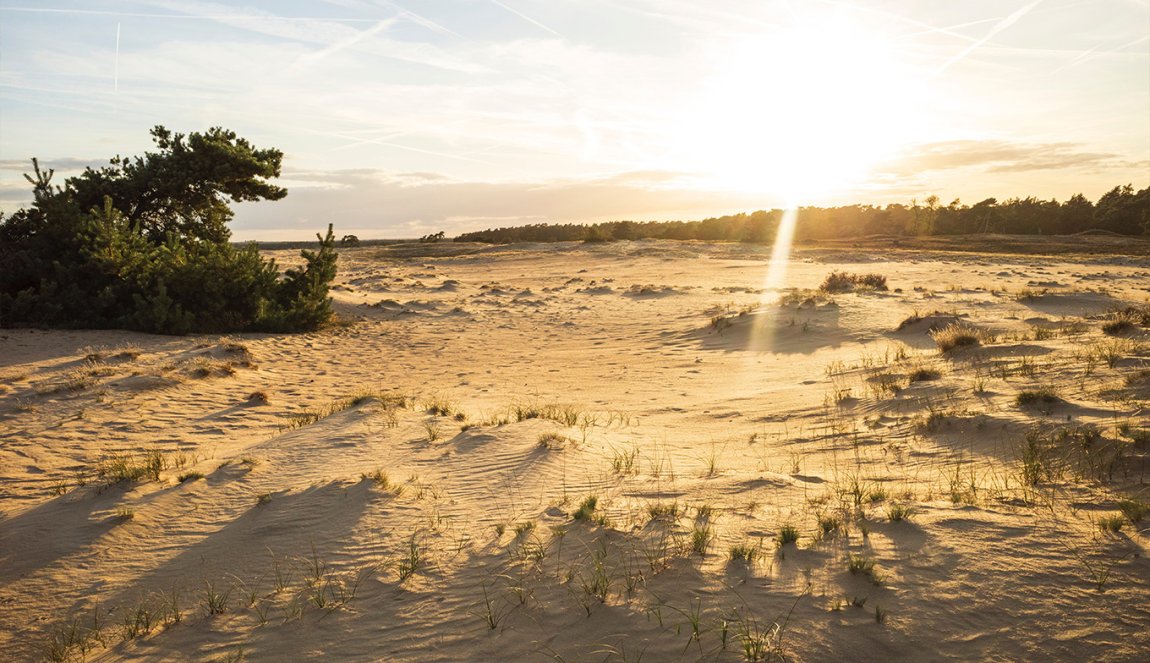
<point>1000,156</point>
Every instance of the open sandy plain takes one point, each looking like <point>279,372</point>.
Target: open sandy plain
<point>597,453</point>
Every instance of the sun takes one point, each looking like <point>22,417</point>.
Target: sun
<point>797,111</point>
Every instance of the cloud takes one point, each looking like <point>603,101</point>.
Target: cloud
<point>60,164</point>
<point>998,156</point>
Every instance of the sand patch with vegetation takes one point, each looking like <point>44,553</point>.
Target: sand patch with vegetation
<point>609,452</point>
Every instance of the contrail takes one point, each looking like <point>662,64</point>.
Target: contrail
<point>998,27</point>
<point>343,43</point>
<point>1093,53</point>
<point>422,20</point>
<point>194,17</point>
<point>525,17</point>
<point>116,63</point>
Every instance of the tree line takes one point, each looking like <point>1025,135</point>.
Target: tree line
<point>1121,210</point>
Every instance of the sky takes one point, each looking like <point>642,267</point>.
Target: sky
<point>402,118</point>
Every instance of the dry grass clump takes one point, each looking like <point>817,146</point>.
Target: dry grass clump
<point>959,335</point>
<point>788,534</point>
<point>553,441</point>
<point>924,373</point>
<point>259,397</point>
<point>848,282</point>
<point>1126,320</point>
<point>1042,398</point>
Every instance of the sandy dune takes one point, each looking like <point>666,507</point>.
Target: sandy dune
<point>416,484</point>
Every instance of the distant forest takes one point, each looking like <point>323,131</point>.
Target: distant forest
<point>1122,210</point>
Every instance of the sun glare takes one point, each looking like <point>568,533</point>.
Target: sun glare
<point>799,111</point>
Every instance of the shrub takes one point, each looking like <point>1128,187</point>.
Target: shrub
<point>1041,398</point>
<point>143,244</point>
<point>847,282</point>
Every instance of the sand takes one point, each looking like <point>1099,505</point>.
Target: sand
<point>413,484</point>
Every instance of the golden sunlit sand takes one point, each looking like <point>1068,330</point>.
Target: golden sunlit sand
<point>628,451</point>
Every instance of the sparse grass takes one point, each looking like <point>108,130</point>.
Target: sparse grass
<point>215,602</point>
<point>125,514</point>
<point>1112,524</point>
<point>1134,510</point>
<point>380,479</point>
<point>124,468</point>
<point>788,534</point>
<point>623,460</point>
<point>413,560</point>
<point>664,511</point>
<point>960,335</point>
<point>560,413</point>
<point>190,476</point>
<point>745,553</point>
<point>440,406</point>
<point>391,402</point>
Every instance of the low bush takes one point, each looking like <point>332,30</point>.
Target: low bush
<point>848,282</point>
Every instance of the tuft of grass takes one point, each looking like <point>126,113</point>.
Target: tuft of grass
<point>865,567</point>
<point>1112,524</point>
<point>702,534</point>
<point>413,561</point>
<point>829,524</point>
<point>788,534</point>
<point>259,397</point>
<point>959,335</point>
<point>899,512</point>
<point>381,481</point>
<point>190,476</point>
<point>553,440</point>
<point>924,374</point>
<point>125,514</point>
<point>744,552</point>
<point>586,510</point>
<point>623,461</point>
<point>263,499</point>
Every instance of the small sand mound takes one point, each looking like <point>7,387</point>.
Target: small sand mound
<point>925,324</point>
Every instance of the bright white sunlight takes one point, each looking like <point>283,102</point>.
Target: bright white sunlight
<point>801,111</point>
<point>521,330</point>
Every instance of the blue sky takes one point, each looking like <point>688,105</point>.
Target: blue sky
<point>402,118</point>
